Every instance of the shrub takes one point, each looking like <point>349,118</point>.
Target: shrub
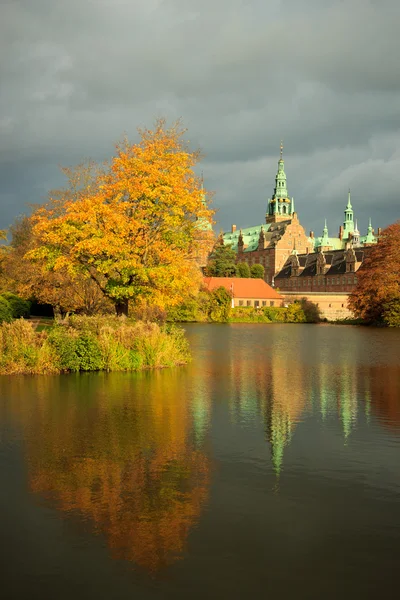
<point>63,341</point>
<point>311,311</point>
<point>88,352</point>
<point>90,343</point>
<point>295,313</point>
<point>5,311</point>
<point>154,314</point>
<point>19,307</point>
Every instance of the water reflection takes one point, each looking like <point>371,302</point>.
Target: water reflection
<point>132,454</point>
<point>118,450</point>
<point>281,376</point>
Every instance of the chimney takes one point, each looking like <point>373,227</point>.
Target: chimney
<point>233,228</point>
<point>312,235</point>
<point>341,232</point>
<point>379,231</point>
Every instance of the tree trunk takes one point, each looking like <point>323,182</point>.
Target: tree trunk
<point>121,308</point>
<point>57,312</point>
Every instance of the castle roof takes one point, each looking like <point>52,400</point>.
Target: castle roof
<point>272,233</point>
<point>335,260</point>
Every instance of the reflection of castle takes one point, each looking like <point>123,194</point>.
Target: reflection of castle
<point>281,391</point>
<point>295,261</point>
<point>126,463</point>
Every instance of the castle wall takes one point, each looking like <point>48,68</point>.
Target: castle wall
<point>332,305</point>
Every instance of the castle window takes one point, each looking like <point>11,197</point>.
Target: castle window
<point>256,303</point>
<point>328,281</point>
<point>240,302</point>
<point>272,303</point>
<point>248,302</point>
<point>264,303</point>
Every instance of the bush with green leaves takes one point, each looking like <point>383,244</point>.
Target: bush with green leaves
<point>19,307</point>
<point>5,311</point>
<point>243,270</point>
<point>90,344</point>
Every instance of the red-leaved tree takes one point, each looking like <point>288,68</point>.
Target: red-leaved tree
<point>376,298</point>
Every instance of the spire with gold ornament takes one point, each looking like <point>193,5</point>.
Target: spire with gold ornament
<point>280,206</point>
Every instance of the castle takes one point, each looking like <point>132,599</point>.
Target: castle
<point>294,261</point>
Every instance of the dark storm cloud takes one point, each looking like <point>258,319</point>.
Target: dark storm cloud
<point>325,76</point>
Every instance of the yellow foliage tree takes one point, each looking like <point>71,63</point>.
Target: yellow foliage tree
<point>136,231</point>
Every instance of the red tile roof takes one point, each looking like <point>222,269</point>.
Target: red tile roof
<point>243,287</point>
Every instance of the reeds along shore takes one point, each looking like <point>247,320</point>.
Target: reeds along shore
<point>90,344</point>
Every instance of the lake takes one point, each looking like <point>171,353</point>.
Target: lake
<point>268,467</point>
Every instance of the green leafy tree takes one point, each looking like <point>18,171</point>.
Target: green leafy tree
<point>257,271</point>
<point>220,305</point>
<point>391,312</point>
<point>222,262</point>
<point>243,270</point>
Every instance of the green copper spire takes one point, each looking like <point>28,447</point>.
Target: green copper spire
<point>280,204</point>
<point>370,239</point>
<point>325,236</point>
<point>280,190</point>
<point>348,224</point>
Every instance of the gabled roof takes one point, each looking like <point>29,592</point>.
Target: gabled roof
<point>335,261</point>
<point>284,273</point>
<point>243,287</point>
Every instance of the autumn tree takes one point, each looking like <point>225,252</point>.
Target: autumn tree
<point>135,233</point>
<point>33,281</point>
<point>376,297</point>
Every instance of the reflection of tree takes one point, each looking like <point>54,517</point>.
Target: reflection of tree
<point>119,454</point>
<point>385,391</point>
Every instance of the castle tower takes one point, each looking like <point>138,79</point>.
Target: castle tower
<point>348,224</point>
<point>280,206</point>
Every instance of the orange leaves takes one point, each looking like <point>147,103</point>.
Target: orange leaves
<point>379,277</point>
<point>132,228</point>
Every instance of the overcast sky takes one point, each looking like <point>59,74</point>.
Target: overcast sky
<point>324,75</point>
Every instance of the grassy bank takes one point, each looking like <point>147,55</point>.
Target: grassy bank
<point>90,344</point>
